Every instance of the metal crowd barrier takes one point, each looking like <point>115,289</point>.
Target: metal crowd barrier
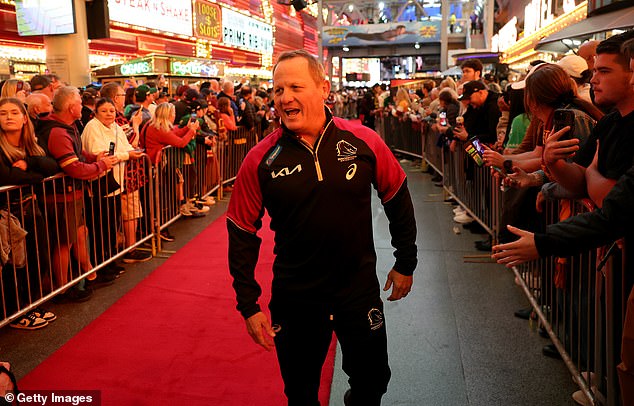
<point>62,230</point>
<point>580,300</point>
<point>58,232</point>
<point>180,176</point>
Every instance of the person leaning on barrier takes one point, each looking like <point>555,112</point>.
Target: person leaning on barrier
<point>106,210</point>
<point>136,174</point>
<point>586,231</point>
<point>314,177</point>
<point>58,135</point>
<point>24,162</point>
<point>160,132</point>
<point>195,205</point>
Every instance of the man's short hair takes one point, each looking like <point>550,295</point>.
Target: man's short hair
<point>613,46</point>
<point>62,97</point>
<point>628,48</point>
<point>315,68</point>
<point>474,64</point>
<point>245,91</point>
<point>39,82</point>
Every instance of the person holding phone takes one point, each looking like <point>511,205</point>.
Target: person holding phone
<point>15,88</point>
<point>613,219</point>
<point>103,134</point>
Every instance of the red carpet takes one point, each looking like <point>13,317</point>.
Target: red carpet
<point>176,339</point>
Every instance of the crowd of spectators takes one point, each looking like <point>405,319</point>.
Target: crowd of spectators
<point>98,137</point>
<point>560,133</point>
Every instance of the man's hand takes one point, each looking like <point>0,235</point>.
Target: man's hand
<point>460,132</point>
<point>555,150</point>
<point>260,330</point>
<point>492,158</point>
<point>516,252</point>
<point>401,285</point>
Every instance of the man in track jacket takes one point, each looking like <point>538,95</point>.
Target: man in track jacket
<point>314,177</point>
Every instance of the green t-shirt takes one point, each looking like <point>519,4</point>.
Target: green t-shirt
<point>518,131</point>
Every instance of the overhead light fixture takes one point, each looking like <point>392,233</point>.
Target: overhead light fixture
<point>346,49</point>
<point>417,45</point>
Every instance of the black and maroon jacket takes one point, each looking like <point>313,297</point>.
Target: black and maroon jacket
<point>319,202</point>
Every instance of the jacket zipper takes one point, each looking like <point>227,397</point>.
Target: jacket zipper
<point>313,152</point>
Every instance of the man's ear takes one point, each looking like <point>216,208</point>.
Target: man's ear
<point>325,89</point>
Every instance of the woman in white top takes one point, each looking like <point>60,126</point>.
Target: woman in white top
<point>104,206</point>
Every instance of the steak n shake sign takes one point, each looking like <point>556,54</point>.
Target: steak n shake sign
<point>165,15</point>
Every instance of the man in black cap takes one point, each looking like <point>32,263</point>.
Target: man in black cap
<point>482,115</point>
<point>480,121</point>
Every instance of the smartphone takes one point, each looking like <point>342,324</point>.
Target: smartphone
<point>19,86</point>
<point>111,149</point>
<point>442,118</point>
<point>563,118</point>
<point>475,149</point>
<point>193,118</point>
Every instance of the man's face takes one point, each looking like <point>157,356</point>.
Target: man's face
<point>74,106</point>
<point>44,105</point>
<point>298,99</point>
<point>119,99</point>
<point>469,74</point>
<point>610,81</point>
<point>477,98</point>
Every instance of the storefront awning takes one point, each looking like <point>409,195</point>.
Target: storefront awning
<point>615,20</point>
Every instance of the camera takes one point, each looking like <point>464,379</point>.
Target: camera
<point>193,118</point>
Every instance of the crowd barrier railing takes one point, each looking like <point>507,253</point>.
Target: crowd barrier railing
<point>580,301</point>
<point>63,230</point>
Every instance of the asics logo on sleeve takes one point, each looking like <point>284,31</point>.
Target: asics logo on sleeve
<point>286,171</point>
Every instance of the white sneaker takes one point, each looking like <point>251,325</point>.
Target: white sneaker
<point>459,210</point>
<point>207,201</point>
<point>197,208</point>
<point>463,218</point>
<point>581,399</point>
<point>185,210</point>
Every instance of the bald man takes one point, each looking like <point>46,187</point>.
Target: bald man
<point>588,50</point>
<point>39,105</point>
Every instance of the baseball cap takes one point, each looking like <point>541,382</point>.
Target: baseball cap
<point>470,88</point>
<point>521,84</point>
<point>143,90</point>
<point>39,82</point>
<point>574,65</point>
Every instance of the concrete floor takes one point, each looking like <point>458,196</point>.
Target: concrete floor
<point>453,341</point>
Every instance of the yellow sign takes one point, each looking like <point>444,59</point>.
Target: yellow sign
<point>207,21</point>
